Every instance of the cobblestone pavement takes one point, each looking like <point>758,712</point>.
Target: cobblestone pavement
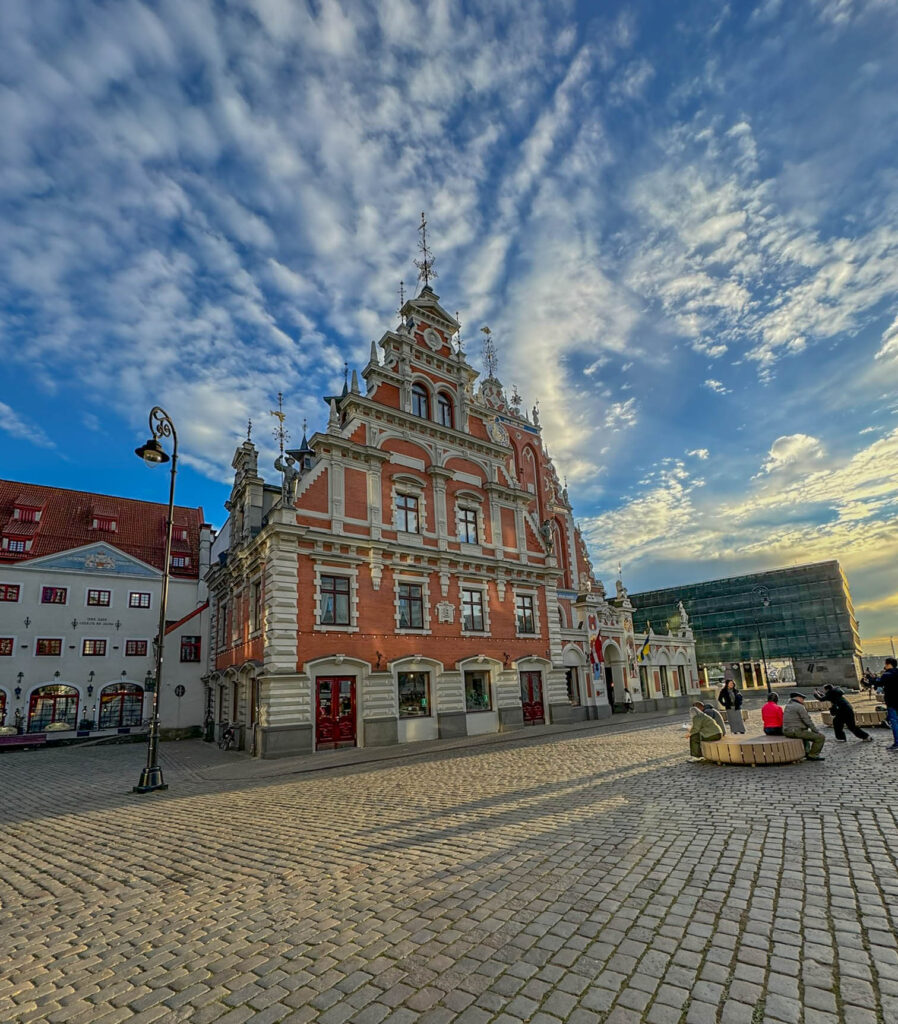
<point>590,877</point>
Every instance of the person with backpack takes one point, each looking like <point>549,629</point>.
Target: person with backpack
<point>842,713</point>
<point>888,681</point>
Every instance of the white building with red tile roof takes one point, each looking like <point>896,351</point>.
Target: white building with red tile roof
<point>80,582</point>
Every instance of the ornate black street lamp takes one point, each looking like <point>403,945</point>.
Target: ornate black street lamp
<point>154,455</point>
<point>761,597</point>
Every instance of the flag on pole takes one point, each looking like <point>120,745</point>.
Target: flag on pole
<point>644,649</point>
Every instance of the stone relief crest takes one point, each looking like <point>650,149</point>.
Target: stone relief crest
<point>445,612</point>
<point>497,432</point>
<point>432,339</point>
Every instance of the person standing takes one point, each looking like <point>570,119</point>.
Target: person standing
<point>888,681</point>
<point>797,724</point>
<point>702,728</point>
<point>628,700</point>
<point>730,699</point>
<point>772,716</point>
<point>843,714</point>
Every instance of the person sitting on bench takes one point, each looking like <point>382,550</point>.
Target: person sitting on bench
<point>772,716</point>
<point>703,728</point>
<point>798,725</point>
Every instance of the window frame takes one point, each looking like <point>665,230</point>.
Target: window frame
<point>54,591</point>
<point>420,399</point>
<point>402,511</point>
<point>5,588</point>
<point>526,598</point>
<point>475,606</point>
<point>192,643</point>
<point>8,642</point>
<point>98,603</point>
<point>97,643</point>
<point>464,519</point>
<point>38,653</point>
<point>445,406</point>
<point>180,562</point>
<point>487,676</point>
<point>411,601</point>
<point>137,653</point>
<point>140,594</point>
<point>336,593</point>
<point>424,702</point>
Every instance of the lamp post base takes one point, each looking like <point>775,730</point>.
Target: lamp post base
<point>150,781</point>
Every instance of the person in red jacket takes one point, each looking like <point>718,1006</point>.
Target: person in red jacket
<point>772,716</point>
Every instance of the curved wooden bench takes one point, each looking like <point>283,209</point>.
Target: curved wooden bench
<point>754,750</point>
<point>862,718</point>
<point>816,705</point>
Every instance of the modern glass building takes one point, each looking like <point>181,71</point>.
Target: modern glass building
<point>803,613</point>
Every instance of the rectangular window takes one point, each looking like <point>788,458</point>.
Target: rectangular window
<point>105,523</point>
<point>255,607</point>
<point>138,600</point>
<point>18,546</point>
<point>53,595</point>
<point>5,646</point>
<point>222,630</point>
<point>190,648</point>
<point>334,601</point>
<point>526,615</point>
<point>48,647</point>
<point>179,533</point>
<point>93,648</point>
<point>407,513</point>
<point>135,648</point>
<point>467,520</point>
<point>414,694</point>
<point>477,691</point>
<point>472,610</point>
<point>9,591</point>
<point>99,597</point>
<point>411,606</point>
<point>665,686</point>
<point>26,515</point>
<point>180,562</point>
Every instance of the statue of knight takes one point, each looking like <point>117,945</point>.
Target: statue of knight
<point>290,479</point>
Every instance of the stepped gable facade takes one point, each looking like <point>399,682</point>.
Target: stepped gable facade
<point>418,574</point>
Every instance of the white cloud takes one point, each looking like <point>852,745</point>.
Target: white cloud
<point>792,449</point>
<point>17,426</point>
<point>717,386</point>
<point>889,347</point>
<point>699,453</point>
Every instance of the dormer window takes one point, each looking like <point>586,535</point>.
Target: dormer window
<point>179,533</point>
<point>180,562</point>
<point>420,401</point>
<point>444,409</point>
<point>106,523</point>
<point>26,515</point>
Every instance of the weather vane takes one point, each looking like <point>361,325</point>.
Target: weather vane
<point>279,433</point>
<point>249,430</point>
<point>425,264</point>
<point>515,398</point>
<point>489,352</point>
<point>458,337</point>
<point>401,297</point>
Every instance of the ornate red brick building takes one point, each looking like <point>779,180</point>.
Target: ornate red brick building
<point>418,575</point>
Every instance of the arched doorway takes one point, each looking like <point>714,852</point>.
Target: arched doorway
<point>121,704</point>
<point>2,707</point>
<point>53,703</point>
<point>615,680</point>
<point>575,670</point>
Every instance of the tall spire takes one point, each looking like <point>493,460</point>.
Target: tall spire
<point>249,430</point>
<point>279,433</point>
<point>489,352</point>
<point>425,264</point>
<point>401,297</point>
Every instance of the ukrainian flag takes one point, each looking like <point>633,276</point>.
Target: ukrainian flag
<point>644,650</point>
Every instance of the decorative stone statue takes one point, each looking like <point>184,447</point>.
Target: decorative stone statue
<point>290,478</point>
<point>585,583</point>
<point>684,618</point>
<point>548,535</point>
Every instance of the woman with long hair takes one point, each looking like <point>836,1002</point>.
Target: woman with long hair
<point>730,699</point>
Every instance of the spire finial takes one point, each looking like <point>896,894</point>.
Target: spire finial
<point>489,352</point>
<point>401,297</point>
<point>279,433</point>
<point>249,430</point>
<point>425,264</point>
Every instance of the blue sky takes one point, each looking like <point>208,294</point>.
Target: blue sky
<point>679,219</point>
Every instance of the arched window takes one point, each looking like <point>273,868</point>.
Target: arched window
<point>121,704</point>
<point>444,409</point>
<point>55,703</point>
<point>420,401</point>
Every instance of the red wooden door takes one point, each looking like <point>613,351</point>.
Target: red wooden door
<point>532,698</point>
<point>334,712</point>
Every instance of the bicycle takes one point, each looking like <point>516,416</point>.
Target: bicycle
<point>228,737</point>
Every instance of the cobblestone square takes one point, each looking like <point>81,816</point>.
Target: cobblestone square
<point>589,876</point>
